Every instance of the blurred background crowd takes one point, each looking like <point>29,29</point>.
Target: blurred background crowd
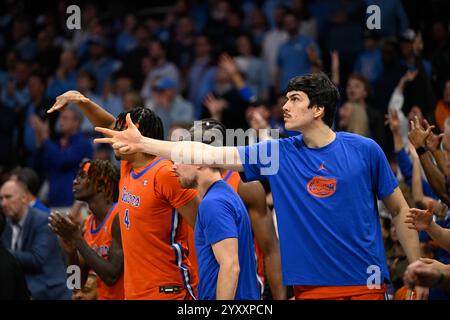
<point>229,60</point>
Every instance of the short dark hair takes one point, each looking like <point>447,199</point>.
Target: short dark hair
<point>28,178</point>
<point>320,90</point>
<point>85,73</point>
<point>207,126</point>
<point>363,80</point>
<point>37,74</point>
<point>148,122</point>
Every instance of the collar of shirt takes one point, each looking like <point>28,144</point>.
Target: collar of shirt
<point>22,221</point>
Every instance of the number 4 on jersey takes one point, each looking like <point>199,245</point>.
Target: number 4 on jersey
<point>126,219</point>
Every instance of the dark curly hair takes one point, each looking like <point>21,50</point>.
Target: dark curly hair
<point>148,122</point>
<point>320,90</point>
<point>103,176</point>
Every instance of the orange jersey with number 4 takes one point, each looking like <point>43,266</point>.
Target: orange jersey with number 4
<point>99,238</point>
<point>154,236</point>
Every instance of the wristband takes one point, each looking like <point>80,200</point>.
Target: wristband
<point>421,150</point>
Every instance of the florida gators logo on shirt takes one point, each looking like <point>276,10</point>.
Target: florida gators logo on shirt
<point>322,187</point>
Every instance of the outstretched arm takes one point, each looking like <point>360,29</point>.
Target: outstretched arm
<point>96,114</point>
<point>189,152</point>
<point>254,197</point>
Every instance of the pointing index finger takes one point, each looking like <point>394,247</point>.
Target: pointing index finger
<point>105,131</point>
<point>104,140</point>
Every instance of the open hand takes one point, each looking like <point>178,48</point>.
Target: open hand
<point>393,121</point>
<point>64,227</point>
<point>71,96</point>
<point>215,106</point>
<point>419,219</point>
<point>228,64</point>
<point>418,135</point>
<point>125,142</point>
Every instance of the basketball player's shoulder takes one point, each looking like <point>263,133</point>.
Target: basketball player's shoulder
<point>221,196</point>
<point>164,169</point>
<point>356,140</point>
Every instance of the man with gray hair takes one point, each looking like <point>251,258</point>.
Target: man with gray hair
<point>60,159</point>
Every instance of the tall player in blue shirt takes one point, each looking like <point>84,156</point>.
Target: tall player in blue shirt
<point>325,187</point>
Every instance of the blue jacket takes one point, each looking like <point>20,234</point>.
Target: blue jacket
<point>62,165</point>
<point>38,205</point>
<point>40,257</point>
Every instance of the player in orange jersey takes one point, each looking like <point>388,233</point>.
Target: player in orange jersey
<point>99,245</point>
<point>154,234</point>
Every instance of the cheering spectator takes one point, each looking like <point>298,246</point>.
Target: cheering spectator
<point>356,115</point>
<point>131,100</point>
<point>169,105</point>
<point>66,76</point>
<point>230,96</point>
<point>14,94</point>
<point>47,54</point>
<point>299,55</point>
<point>183,42</point>
<point>133,59</point>
<point>126,41</point>
<point>201,75</point>
<point>253,68</point>
<point>160,67</point>
<point>61,159</point>
<point>369,63</point>
<point>22,40</point>
<point>273,39</point>
<point>258,27</point>
<point>36,107</point>
<point>100,64</point>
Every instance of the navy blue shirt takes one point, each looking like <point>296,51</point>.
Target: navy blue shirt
<point>222,215</point>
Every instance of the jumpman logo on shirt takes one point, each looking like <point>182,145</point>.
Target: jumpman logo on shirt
<point>322,167</point>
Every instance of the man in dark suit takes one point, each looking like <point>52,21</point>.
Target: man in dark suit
<point>31,242</point>
<point>13,285</point>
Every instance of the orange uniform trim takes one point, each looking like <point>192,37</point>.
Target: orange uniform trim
<point>339,293</point>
